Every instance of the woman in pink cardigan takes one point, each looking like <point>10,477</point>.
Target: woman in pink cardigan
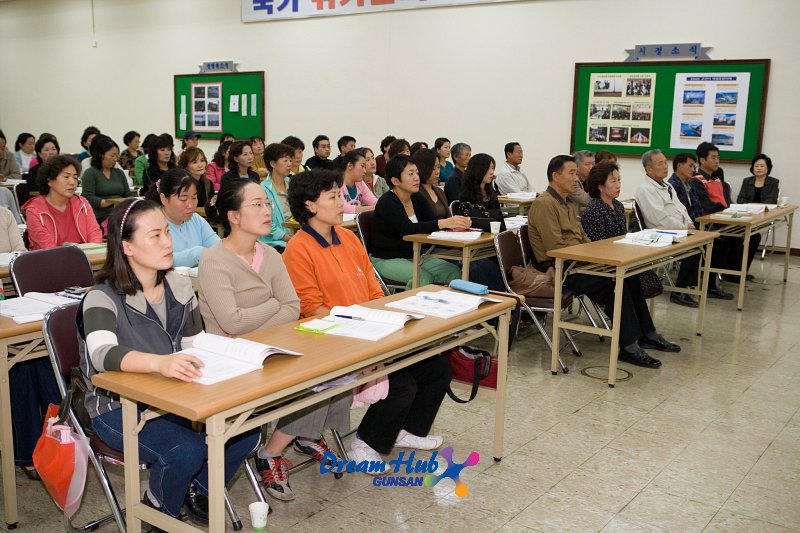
<point>355,193</point>
<point>58,215</point>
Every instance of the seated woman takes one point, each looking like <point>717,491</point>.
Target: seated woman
<point>259,165</point>
<point>23,151</point>
<point>131,321</point>
<point>176,192</point>
<point>194,161</point>
<point>278,159</point>
<point>442,147</point>
<point>428,166</point>
<point>401,212</point>
<point>760,188</point>
<point>127,159</point>
<point>141,162</point>
<point>10,239</point>
<point>102,181</point>
<point>219,164</point>
<point>243,286</point>
<point>329,267</point>
<point>240,161</point>
<point>46,147</point>
<point>58,215</point>
<point>375,183</point>
<point>160,158</point>
<point>297,159</point>
<point>9,170</point>
<point>355,193</point>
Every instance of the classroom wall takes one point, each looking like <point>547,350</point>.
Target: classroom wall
<point>482,74</point>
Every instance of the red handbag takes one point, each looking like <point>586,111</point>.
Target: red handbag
<point>471,365</point>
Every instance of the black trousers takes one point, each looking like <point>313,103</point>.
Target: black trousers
<point>635,319</point>
<point>687,273</point>
<point>415,394</point>
<point>731,253</point>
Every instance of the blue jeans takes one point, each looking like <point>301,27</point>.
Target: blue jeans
<point>177,455</point>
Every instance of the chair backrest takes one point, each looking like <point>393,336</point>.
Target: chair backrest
<point>51,270</point>
<point>22,193</point>
<point>637,212</point>
<point>525,245</point>
<point>364,224</point>
<point>509,254</point>
<point>61,338</point>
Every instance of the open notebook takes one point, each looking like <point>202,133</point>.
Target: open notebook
<point>34,305</point>
<point>226,358</point>
<point>442,304</point>
<point>358,322</point>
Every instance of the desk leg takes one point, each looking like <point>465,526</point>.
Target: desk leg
<point>500,396</point>
<point>9,470</point>
<point>706,275</point>
<point>130,441</point>
<point>556,344</point>
<point>416,266</point>
<point>466,256</point>
<point>619,285</point>
<point>788,249</point>
<point>215,431</point>
<point>743,269</point>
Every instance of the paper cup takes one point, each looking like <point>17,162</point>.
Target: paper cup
<point>495,227</point>
<point>783,200</point>
<point>258,515</point>
<point>183,271</point>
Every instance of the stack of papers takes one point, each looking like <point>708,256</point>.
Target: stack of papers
<point>33,306</point>
<point>516,222</point>
<point>521,195</point>
<point>442,304</point>
<point>748,209</point>
<point>348,216</point>
<point>653,238</point>
<point>463,236</point>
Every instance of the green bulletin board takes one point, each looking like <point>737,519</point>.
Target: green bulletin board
<point>211,104</point>
<point>629,108</point>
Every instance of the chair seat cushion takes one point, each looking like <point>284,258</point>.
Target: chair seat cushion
<point>547,303</point>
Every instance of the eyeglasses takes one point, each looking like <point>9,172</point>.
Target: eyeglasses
<point>259,205</point>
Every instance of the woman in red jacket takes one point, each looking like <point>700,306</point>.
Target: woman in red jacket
<point>58,215</point>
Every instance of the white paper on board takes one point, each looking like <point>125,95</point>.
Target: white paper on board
<point>183,105</point>
<point>253,105</point>
<point>182,121</point>
<point>234,107</point>
<point>244,105</point>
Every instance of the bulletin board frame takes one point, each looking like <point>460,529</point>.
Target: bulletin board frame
<point>668,78</point>
<point>213,104</point>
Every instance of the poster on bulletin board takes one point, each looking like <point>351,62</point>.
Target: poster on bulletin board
<point>213,104</point>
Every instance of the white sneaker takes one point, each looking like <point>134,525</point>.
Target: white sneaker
<point>360,451</point>
<point>407,440</point>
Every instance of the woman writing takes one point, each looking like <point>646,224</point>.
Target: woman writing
<point>240,163</point>
<point>58,215</point>
<point>134,320</point>
<point>176,192</point>
<point>355,193</point>
<point>193,160</point>
<point>102,181</point>
<point>279,162</point>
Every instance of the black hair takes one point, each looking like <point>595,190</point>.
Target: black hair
<point>604,155</point>
<point>161,141</point>
<point>398,146</point>
<point>189,155</point>
<point>88,132</point>
<point>427,162</point>
<point>51,168</point>
<point>22,138</point>
<point>255,138</point>
<point>471,181</point>
<point>117,271</point>
<point>417,146</point>
<point>3,136</point>
<point>344,139</point>
<point>395,167</point>
<point>362,151</point>
<point>98,148</point>
<point>235,151</point>
<point>766,159</point>
<point>682,157</point>
<point>173,182</point>
<point>556,164</point>
<point>350,158</point>
<point>439,142</point>
<point>149,138</point>
<point>294,142</point>
<point>129,137</point>
<point>318,139</point>
<point>229,198</point>
<point>227,136</point>
<point>509,148</point>
<point>307,187</point>
<point>387,141</point>
<point>275,151</point>
<point>704,148</point>
<point>45,138</point>
<point>219,155</point>
<point>598,176</point>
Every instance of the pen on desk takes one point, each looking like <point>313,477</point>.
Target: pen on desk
<point>667,232</point>
<point>349,317</point>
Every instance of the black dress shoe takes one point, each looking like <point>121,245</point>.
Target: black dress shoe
<point>196,504</point>
<point>683,299</point>
<point>750,277</point>
<point>147,502</point>
<point>640,358</point>
<point>31,473</point>
<point>719,294</point>
<point>661,344</point>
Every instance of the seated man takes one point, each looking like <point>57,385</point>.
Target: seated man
<point>553,224</point>
<point>322,151</point>
<point>585,161</point>
<point>508,176</point>
<point>661,207</point>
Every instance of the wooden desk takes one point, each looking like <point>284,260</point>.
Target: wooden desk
<point>18,342</point>
<point>619,261</point>
<point>743,229</point>
<point>522,205</point>
<point>480,248</point>
<point>293,225</point>
<point>282,388</point>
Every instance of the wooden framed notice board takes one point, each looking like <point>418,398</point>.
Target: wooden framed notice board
<point>211,104</point>
<point>629,108</point>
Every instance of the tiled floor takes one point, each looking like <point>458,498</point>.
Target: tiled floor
<point>710,442</point>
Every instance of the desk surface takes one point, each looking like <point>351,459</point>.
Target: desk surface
<point>605,252</point>
<point>9,328</point>
<point>295,225</point>
<point>752,220</point>
<point>322,355</point>
<point>514,201</point>
<point>425,238</point>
